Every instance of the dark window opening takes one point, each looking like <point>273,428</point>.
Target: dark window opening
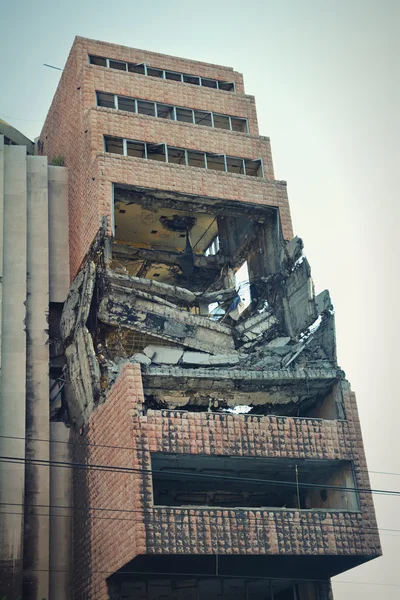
<point>191,79</point>
<point>105,100</point>
<point>235,165</point>
<point>126,104</point>
<point>202,118</point>
<point>221,121</point>
<point>173,76</point>
<point>177,156</point>
<point>155,72</point>
<point>239,124</point>
<point>114,145</point>
<point>184,114</point>
<point>231,482</point>
<point>211,83</point>
<point>136,68</point>
<point>165,111</point>
<point>136,149</point>
<point>116,64</point>
<point>254,168</point>
<point>156,152</point>
<point>146,108</point>
<point>98,60</point>
<point>196,159</point>
<point>216,162</point>
<point>226,86</point>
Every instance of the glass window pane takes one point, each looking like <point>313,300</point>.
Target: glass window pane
<point>191,79</point>
<point>202,118</point>
<point>154,72</point>
<point>196,159</point>
<point>211,83</point>
<point>173,76</point>
<point>184,114</point>
<point>227,87</point>
<point>136,149</point>
<point>133,68</point>
<point>234,165</point>
<point>98,60</point>
<point>114,145</point>
<point>165,111</point>
<point>221,121</point>
<point>176,155</point>
<point>253,168</point>
<point>126,104</point>
<point>146,108</point>
<point>106,100</point>
<point>216,162</point>
<point>239,124</point>
<point>156,152</point>
<point>116,64</point>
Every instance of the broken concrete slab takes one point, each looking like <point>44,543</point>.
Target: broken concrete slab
<point>163,355</point>
<point>173,292</point>
<point>324,302</point>
<point>294,248</point>
<point>195,358</point>
<point>278,342</point>
<point>141,359</point>
<point>77,305</point>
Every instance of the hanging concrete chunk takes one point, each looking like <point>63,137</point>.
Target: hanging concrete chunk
<point>77,305</point>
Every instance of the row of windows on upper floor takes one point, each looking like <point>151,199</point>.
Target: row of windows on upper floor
<point>144,69</point>
<point>182,156</point>
<point>174,113</point>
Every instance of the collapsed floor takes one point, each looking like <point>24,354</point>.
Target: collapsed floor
<point>265,345</point>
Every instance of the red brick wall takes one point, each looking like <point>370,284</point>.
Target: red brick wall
<point>75,129</point>
<point>104,546</point>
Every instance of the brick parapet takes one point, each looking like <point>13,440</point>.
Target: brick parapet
<point>122,434</point>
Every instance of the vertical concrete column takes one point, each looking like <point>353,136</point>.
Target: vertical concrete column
<point>1,223</point>
<point>37,476</point>
<point>61,514</point>
<point>13,363</point>
<point>58,233</point>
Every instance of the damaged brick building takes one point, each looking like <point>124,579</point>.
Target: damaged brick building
<point>213,442</point>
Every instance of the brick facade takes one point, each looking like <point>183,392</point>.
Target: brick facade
<point>110,539</point>
<point>75,129</point>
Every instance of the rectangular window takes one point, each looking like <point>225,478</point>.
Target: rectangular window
<point>221,121</point>
<point>114,145</point>
<point>235,165</point>
<point>156,152</point>
<point>173,76</point>
<point>136,68</point>
<point>191,79</point>
<point>226,86</point>
<point>216,162</point>
<point>98,60</point>
<point>240,482</point>
<point>239,124</point>
<point>126,104</point>
<point>105,100</point>
<point>184,114</point>
<point>202,118</point>
<point>165,111</point>
<point>155,72</point>
<point>211,83</point>
<point>146,108</point>
<point>117,64</point>
<point>254,168</point>
<point>177,156</point>
<point>136,149</point>
<point>196,159</point>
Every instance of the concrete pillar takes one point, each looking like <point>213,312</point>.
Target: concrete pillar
<point>61,518</point>
<point>58,233</point>
<point>37,477</point>
<point>13,362</point>
<point>1,223</point>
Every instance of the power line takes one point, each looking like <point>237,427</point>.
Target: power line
<point>118,469</point>
<point>133,448</point>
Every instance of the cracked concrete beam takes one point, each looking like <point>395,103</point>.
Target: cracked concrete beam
<point>174,292</point>
<point>77,305</point>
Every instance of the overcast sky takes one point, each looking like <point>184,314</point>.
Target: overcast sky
<point>326,81</point>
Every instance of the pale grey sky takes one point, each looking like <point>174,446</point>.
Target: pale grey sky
<point>325,78</point>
